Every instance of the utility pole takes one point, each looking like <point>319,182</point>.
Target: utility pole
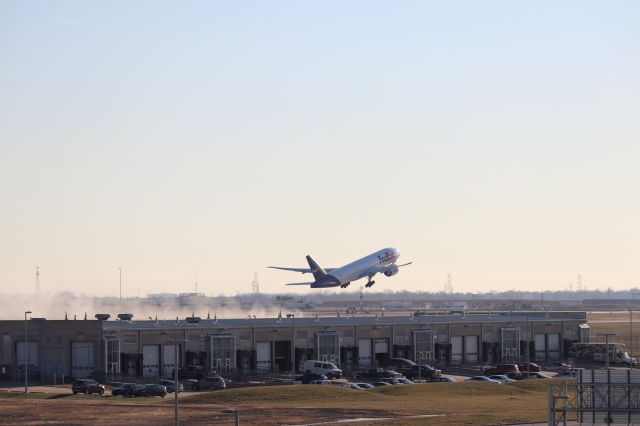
<point>37,280</point>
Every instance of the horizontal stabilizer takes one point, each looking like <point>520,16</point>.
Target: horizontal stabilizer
<point>309,283</point>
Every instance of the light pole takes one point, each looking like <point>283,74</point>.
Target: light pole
<point>529,335</point>
<point>630,333</point>
<point>419,352</point>
<point>293,345</point>
<point>26,353</point>
<point>177,389</point>
<point>233,411</point>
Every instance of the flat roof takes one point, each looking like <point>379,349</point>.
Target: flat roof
<point>339,321</point>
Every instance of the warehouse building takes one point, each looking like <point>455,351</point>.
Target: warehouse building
<point>57,349</point>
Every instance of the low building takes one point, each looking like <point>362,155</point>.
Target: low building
<point>147,348</point>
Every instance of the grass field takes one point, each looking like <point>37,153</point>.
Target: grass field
<point>458,403</point>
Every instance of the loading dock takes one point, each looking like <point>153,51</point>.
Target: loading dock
<point>168,360</point>
<point>471,349</point>
<point>150,360</point>
<point>364,353</point>
<point>457,354</point>
<point>82,361</point>
<point>263,356</point>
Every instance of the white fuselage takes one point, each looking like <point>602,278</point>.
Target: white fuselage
<point>367,266</point>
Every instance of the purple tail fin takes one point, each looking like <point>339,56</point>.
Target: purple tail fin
<point>316,270</point>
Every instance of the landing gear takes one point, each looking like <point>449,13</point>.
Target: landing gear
<point>345,285</point>
<point>370,283</point>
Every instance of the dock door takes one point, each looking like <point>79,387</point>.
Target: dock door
<point>82,363</point>
<point>364,353</point>
<point>150,360</point>
<point>263,356</point>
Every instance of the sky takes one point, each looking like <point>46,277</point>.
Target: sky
<point>201,141</point>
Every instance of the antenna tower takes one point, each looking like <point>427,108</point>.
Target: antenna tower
<point>255,286</point>
<point>448,286</point>
<point>579,283</point>
<point>38,280</point>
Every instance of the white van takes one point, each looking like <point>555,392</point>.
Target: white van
<point>329,369</point>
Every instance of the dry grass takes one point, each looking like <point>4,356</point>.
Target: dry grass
<point>460,403</point>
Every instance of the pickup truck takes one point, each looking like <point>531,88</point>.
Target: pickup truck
<point>425,371</point>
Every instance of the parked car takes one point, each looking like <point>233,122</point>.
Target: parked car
<point>529,366</point>
<point>502,369</point>
<point>400,362</point>
<point>191,384</point>
<point>355,386</point>
<point>140,390</point>
<point>376,373</point>
<point>321,382</point>
<point>211,383</point>
<point>329,369</point>
<point>534,375</point>
<point>558,366</point>
<point>441,379</point>
<point>378,384</point>
<point>501,378</point>
<point>87,386</point>
<point>482,379</point>
<point>155,390</point>
<point>365,385</point>
<point>424,371</point>
<point>515,376</point>
<point>390,380</point>
<point>171,386</point>
<point>404,381</point>
<point>566,374</point>
<point>124,389</point>
<point>307,378</point>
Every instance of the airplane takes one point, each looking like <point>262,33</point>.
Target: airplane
<point>382,261</point>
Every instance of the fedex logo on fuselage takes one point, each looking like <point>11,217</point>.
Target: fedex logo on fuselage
<point>388,256</point>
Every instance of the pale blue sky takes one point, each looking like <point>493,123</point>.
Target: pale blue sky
<point>496,141</point>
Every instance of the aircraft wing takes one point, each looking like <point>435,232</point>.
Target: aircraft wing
<point>309,283</point>
<point>302,270</point>
<point>393,265</point>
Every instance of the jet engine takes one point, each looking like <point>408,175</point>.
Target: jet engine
<point>391,272</point>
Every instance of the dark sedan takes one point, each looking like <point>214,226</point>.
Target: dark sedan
<point>171,386</point>
<point>125,389</point>
<point>87,386</point>
<point>155,390</point>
